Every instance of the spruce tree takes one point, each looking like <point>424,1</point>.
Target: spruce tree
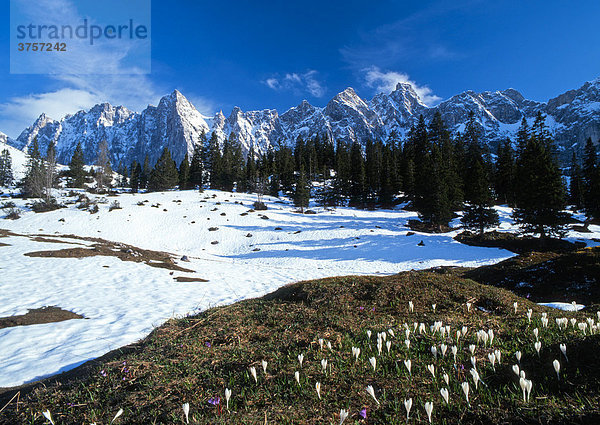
<point>145,174</point>
<point>6,174</point>
<point>123,172</point>
<point>76,167</point>
<point>196,166</point>
<point>385,196</point>
<point>302,191</point>
<point>251,172</point>
<point>341,180</point>
<point>433,204</point>
<point>184,173</point>
<point>164,176</point>
<point>373,165</point>
<point>135,173</point>
<point>285,168</point>
<point>214,162</point>
<point>479,213</point>
<point>504,176</point>
<point>591,174</point>
<point>576,184</point>
<point>49,171</point>
<point>540,195</point>
<point>357,185</point>
<point>439,135</point>
<point>34,175</point>
<point>103,170</point>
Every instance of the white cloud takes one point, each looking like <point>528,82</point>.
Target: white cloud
<point>20,112</point>
<point>386,81</point>
<point>272,83</point>
<point>300,83</point>
<point>121,84</point>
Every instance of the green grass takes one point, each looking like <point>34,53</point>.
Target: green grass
<point>194,359</point>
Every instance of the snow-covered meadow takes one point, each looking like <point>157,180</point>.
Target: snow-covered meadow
<point>122,301</point>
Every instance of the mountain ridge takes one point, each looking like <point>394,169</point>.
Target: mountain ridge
<point>176,124</point>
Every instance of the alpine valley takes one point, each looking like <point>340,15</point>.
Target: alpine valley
<point>175,123</point>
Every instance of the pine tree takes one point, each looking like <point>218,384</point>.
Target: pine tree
<point>135,173</point>
<point>479,213</point>
<point>104,170</point>
<point>302,191</point>
<point>214,162</point>
<point>34,176</point>
<point>145,174</point>
<point>196,167</point>
<point>122,171</point>
<point>522,136</point>
<point>49,171</point>
<point>76,167</point>
<point>251,172</point>
<point>373,165</point>
<point>433,203</point>
<point>285,168</point>
<point>385,196</point>
<point>357,179</point>
<point>591,174</point>
<point>540,195</point>
<point>229,171</point>
<point>184,173</point>
<point>504,176</point>
<point>474,153</point>
<point>439,135</point>
<point>164,176</point>
<point>341,180</point>
<point>576,184</point>
<point>6,173</point>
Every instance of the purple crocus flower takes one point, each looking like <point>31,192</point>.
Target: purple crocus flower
<point>363,413</point>
<point>215,401</point>
<point>207,344</point>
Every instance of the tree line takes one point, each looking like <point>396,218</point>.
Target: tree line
<point>438,173</point>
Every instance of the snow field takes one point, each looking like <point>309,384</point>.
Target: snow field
<point>123,301</point>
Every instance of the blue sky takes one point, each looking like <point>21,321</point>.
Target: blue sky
<point>274,54</point>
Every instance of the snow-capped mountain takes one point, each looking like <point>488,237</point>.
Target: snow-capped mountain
<point>176,124</point>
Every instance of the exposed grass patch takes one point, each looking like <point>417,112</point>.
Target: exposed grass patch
<point>193,360</point>
<point>572,276</point>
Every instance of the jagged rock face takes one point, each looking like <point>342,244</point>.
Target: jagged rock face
<point>351,118</point>
<point>398,110</point>
<point>577,115</point>
<point>176,124</point>
<point>253,129</point>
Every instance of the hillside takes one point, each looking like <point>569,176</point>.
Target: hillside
<point>194,359</point>
<point>573,276</point>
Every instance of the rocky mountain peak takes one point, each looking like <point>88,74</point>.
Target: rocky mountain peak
<point>177,125</point>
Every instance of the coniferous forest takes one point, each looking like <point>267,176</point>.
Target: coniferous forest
<point>436,172</point>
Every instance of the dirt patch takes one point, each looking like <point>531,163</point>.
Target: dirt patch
<point>49,240</point>
<point>6,233</point>
<point>121,251</point>
<point>100,247</point>
<point>37,316</point>
<point>189,279</point>
<point>4,244</point>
